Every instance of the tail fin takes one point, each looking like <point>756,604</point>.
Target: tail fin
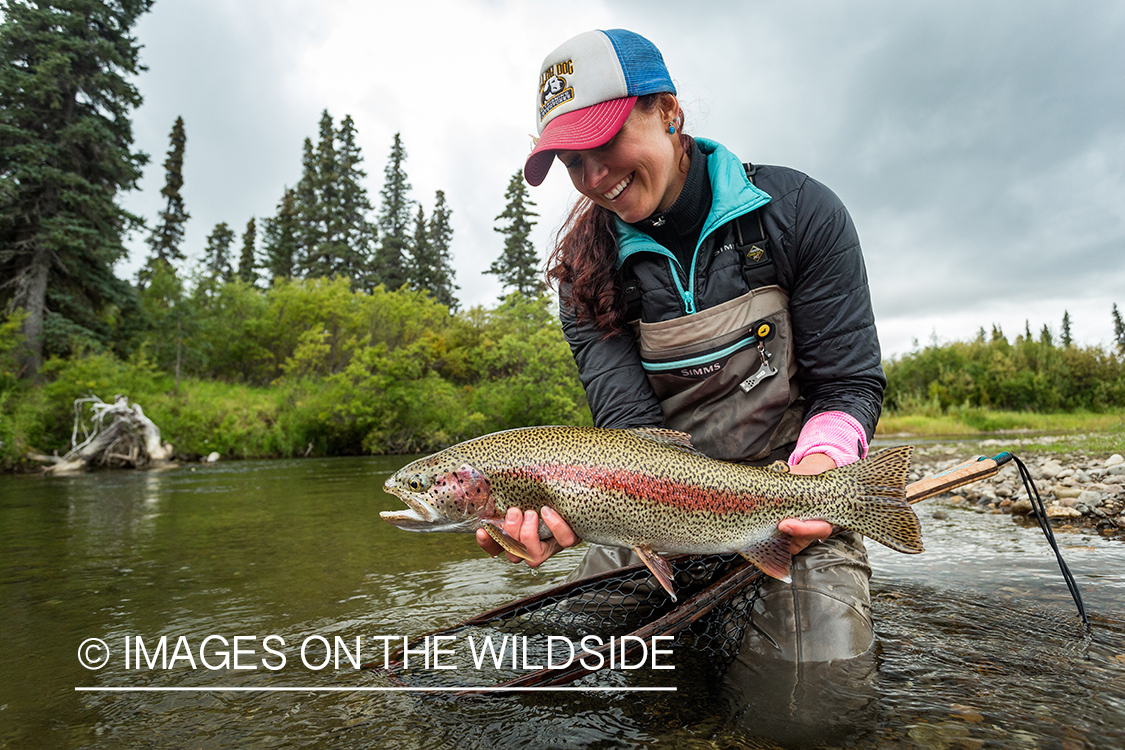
<point>883,513</point>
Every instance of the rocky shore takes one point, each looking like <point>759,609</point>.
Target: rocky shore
<point>1080,492</point>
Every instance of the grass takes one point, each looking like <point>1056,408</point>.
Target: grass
<point>1048,433</point>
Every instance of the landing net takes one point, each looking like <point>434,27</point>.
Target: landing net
<point>609,621</point>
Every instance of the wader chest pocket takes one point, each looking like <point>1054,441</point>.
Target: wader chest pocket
<point>702,364</point>
<point>724,375</point>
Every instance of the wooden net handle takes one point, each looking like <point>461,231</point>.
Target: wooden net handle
<point>968,472</point>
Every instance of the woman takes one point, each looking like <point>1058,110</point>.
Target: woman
<point>720,299</point>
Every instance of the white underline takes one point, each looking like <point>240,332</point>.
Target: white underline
<point>480,689</point>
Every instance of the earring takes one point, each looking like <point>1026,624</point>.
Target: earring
<point>672,129</point>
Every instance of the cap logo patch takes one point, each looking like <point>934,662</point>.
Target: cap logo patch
<point>553,88</point>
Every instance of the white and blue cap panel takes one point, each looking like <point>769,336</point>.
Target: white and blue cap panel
<point>642,63</point>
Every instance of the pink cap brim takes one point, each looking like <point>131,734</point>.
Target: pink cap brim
<point>581,129</point>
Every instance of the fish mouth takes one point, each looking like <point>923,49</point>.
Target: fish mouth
<point>406,519</point>
<point>421,516</point>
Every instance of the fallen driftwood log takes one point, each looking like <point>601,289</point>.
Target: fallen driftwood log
<point>118,436</point>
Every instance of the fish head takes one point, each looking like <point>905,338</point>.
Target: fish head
<point>442,492</point>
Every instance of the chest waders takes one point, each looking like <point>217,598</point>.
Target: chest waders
<point>727,375</point>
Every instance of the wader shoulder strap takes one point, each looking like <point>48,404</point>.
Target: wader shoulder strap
<point>757,256</point>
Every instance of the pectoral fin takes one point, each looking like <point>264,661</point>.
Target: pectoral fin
<point>495,529</point>
<point>772,556</point>
<point>659,567</point>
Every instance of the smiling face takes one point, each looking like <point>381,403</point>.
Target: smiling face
<point>639,172</point>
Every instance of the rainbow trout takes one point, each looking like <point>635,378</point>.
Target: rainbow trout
<point>650,490</point>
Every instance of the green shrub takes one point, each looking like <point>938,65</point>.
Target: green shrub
<point>1031,375</point>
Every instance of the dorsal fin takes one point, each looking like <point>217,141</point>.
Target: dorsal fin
<point>665,436</point>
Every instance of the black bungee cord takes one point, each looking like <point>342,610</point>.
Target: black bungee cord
<point>1040,511</point>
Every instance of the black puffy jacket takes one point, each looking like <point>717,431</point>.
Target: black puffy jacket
<point>818,262</point>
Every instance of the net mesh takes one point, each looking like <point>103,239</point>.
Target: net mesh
<point>575,631</point>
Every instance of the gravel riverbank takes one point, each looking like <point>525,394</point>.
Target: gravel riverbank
<point>1080,491</point>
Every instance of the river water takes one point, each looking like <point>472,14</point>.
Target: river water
<point>977,643</point>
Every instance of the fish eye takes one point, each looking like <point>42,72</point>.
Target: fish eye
<point>415,483</point>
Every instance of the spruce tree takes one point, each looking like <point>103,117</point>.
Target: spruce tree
<point>164,241</point>
<point>518,265</point>
<point>350,223</point>
<point>161,288</point>
<point>1118,330</point>
<point>279,238</point>
<point>1065,337</point>
<point>429,266</point>
<point>216,256</point>
<point>439,237</point>
<point>65,153</point>
<point>420,265</point>
<point>394,221</point>
<point>172,317</point>
<point>247,261</point>
<point>307,210</point>
<point>334,234</point>
<point>322,258</point>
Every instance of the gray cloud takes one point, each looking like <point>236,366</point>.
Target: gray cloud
<point>979,146</point>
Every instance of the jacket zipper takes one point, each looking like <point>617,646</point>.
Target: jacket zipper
<point>688,295</point>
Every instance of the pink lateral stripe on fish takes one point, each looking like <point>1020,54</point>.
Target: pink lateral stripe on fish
<point>661,490</point>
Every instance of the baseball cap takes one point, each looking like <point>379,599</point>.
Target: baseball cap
<point>587,88</point>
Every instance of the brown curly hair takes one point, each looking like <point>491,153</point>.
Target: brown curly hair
<point>585,254</point>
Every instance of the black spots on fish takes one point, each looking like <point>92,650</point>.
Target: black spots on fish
<point>881,511</point>
<point>883,473</point>
<point>462,492</point>
<point>771,556</point>
<point>474,488</point>
<point>890,522</point>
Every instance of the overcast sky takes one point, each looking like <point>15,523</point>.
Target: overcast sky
<point>980,146</point>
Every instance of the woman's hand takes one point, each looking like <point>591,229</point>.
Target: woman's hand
<point>803,533</point>
<point>524,528</point>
